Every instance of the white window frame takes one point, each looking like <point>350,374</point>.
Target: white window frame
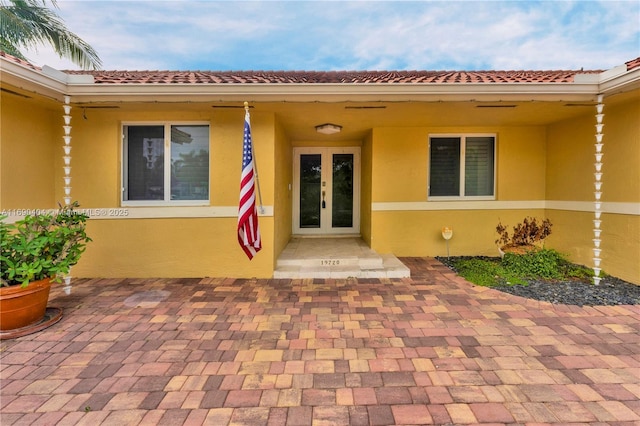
<point>463,145</point>
<point>167,165</point>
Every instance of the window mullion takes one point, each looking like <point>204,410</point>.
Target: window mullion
<point>124,191</point>
<point>463,156</point>
<point>167,162</point>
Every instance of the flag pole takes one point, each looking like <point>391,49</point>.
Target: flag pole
<point>255,164</point>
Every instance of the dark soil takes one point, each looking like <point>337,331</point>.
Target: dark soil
<point>610,291</point>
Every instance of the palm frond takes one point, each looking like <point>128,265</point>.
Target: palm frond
<point>28,24</point>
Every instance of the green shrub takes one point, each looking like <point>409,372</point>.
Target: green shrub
<point>41,246</point>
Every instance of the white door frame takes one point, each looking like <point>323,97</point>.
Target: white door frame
<point>325,220</point>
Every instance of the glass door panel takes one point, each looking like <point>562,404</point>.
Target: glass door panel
<point>310,190</point>
<point>326,197</point>
<point>342,190</point>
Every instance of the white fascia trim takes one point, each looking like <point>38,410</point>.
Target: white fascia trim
<point>466,91</point>
<point>617,82</point>
<point>582,206</point>
<point>31,80</point>
<point>612,73</point>
<point>68,78</point>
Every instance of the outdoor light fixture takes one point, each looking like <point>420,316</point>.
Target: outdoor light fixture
<point>328,128</point>
<point>447,233</point>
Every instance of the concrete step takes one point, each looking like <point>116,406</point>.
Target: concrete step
<point>386,266</point>
<point>336,258</point>
<point>372,261</point>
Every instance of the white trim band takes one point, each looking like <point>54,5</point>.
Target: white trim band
<point>582,206</point>
<point>144,212</point>
<point>632,209</point>
<point>458,205</point>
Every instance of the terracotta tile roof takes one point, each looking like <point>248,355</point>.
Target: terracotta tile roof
<point>633,64</point>
<point>335,77</point>
<point>319,77</point>
<point>19,61</point>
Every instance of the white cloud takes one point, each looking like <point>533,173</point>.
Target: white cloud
<point>321,35</point>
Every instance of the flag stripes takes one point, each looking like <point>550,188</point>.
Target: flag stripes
<point>248,229</point>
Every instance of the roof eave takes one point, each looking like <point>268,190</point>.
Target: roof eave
<point>619,80</point>
<point>338,92</point>
<point>56,84</point>
<point>32,80</point>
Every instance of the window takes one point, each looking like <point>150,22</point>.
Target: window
<point>462,166</point>
<point>165,164</point>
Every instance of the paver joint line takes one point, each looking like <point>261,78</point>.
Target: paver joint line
<point>431,349</point>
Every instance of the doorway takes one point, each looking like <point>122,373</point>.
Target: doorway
<point>326,195</point>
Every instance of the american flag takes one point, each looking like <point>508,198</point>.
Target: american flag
<point>248,229</point>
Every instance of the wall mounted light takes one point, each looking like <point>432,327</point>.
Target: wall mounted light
<point>328,128</point>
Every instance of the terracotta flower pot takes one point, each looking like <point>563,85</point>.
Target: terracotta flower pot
<point>20,307</point>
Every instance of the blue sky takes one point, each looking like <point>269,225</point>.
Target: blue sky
<point>354,35</point>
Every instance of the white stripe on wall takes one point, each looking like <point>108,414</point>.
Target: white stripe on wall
<point>459,205</point>
<point>175,212</point>
<point>582,206</point>
<point>164,212</point>
<point>588,206</point>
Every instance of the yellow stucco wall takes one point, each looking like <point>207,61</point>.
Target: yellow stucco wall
<point>572,235</point>
<point>400,162</point>
<point>202,247</point>
<point>26,154</point>
<point>621,144</point>
<point>399,165</point>
<point>366,161</point>
<point>97,151</point>
<point>570,177</point>
<point>283,187</point>
<point>621,246</point>
<point>534,163</point>
<point>180,246</point>
<point>570,160</point>
<point>419,233</point>
<point>400,173</point>
<point>522,160</point>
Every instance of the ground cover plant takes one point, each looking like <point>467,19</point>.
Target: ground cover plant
<point>514,268</point>
<point>544,275</point>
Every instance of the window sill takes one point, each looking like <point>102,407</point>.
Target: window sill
<point>189,203</point>
<point>446,198</point>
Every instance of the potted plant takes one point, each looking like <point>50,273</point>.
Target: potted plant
<point>34,252</point>
<point>526,237</point>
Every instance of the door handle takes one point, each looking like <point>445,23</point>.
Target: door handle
<point>324,204</point>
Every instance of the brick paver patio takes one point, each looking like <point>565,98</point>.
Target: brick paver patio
<point>432,349</point>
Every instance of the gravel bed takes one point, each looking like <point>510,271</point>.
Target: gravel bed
<point>610,291</point>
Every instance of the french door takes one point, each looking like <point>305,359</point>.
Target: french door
<point>326,196</point>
